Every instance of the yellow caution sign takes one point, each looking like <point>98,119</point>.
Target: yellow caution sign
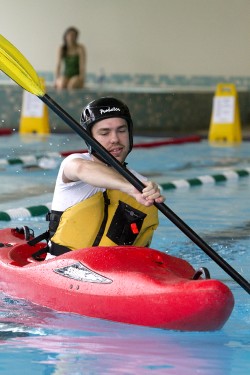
<point>225,125</point>
<point>34,115</point>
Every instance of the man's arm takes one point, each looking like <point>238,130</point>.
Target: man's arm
<point>100,175</point>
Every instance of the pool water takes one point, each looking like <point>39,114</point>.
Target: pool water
<point>43,341</point>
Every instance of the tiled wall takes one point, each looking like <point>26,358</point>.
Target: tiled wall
<point>166,109</point>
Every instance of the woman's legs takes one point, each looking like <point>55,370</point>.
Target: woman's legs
<point>61,83</point>
<point>75,82</point>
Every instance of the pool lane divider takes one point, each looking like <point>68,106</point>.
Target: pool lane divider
<point>233,175</point>
<point>163,142</point>
<point>24,213</point>
<point>29,159</point>
<point>5,131</point>
<point>40,210</point>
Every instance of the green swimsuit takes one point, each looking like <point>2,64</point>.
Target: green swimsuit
<point>71,66</point>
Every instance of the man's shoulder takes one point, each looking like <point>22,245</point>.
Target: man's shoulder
<point>85,156</point>
<point>75,156</point>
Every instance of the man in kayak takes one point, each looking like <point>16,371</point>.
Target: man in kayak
<point>94,205</point>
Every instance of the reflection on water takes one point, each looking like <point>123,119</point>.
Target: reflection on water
<point>70,344</point>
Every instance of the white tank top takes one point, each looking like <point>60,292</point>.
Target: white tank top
<point>70,193</point>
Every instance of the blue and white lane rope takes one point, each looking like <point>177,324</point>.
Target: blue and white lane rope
<point>40,210</point>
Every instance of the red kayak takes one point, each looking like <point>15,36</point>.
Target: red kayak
<point>124,284</point>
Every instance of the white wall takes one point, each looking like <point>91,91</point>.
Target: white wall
<point>190,37</point>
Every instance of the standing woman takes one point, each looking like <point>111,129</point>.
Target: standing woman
<point>71,62</point>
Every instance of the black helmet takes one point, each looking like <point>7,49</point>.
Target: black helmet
<point>103,108</point>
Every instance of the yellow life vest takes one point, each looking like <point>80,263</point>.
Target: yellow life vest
<point>127,222</point>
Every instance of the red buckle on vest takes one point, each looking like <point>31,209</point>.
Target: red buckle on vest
<point>134,228</point>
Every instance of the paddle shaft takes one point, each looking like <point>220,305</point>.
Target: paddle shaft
<point>99,149</point>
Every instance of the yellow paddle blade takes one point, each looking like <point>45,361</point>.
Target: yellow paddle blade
<point>18,68</point>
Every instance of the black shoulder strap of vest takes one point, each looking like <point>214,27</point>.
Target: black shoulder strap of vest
<point>53,217</point>
<point>104,221</point>
<point>35,240</point>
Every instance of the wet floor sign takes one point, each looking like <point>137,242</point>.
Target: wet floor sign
<point>34,114</point>
<point>225,126</point>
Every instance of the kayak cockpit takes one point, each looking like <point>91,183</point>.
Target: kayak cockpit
<point>21,255</point>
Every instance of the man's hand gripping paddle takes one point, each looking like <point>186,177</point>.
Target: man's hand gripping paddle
<point>16,66</point>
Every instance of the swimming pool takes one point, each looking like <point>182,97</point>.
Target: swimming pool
<point>47,342</point>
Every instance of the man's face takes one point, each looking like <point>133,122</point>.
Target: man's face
<point>113,135</point>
